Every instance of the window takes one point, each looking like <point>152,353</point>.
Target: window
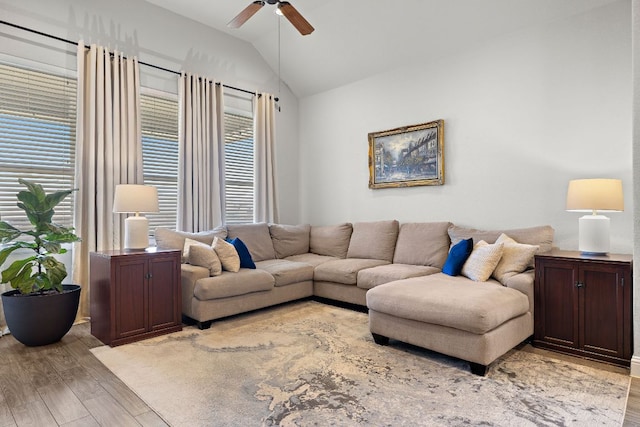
<point>159,122</point>
<point>238,152</point>
<point>37,138</point>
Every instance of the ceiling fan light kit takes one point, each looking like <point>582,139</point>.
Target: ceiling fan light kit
<point>283,8</point>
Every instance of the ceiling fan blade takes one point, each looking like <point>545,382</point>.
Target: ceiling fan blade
<point>297,20</point>
<point>247,13</point>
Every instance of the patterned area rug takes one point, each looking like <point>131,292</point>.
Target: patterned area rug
<point>308,363</point>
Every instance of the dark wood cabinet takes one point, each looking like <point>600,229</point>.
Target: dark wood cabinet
<point>134,295</point>
<point>583,305</point>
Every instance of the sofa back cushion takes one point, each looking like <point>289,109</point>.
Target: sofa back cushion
<point>172,239</point>
<point>374,240</point>
<point>541,235</point>
<point>256,238</point>
<point>290,240</point>
<point>422,243</point>
<point>330,240</point>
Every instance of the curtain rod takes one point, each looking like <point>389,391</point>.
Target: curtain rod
<point>157,67</point>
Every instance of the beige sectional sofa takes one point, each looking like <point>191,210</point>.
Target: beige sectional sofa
<point>393,269</point>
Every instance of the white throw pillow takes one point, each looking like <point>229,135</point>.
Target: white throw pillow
<point>516,257</point>
<point>187,246</point>
<point>227,254</point>
<point>483,260</point>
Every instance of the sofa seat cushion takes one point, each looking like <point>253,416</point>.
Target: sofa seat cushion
<point>311,259</point>
<point>454,302</point>
<point>344,271</point>
<point>371,277</point>
<point>286,272</point>
<point>230,284</point>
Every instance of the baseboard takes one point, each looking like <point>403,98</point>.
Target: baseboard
<point>635,366</point>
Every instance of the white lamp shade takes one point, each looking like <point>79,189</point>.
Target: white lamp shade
<point>135,198</point>
<point>593,195</point>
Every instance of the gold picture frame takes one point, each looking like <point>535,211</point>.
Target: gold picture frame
<point>407,156</point>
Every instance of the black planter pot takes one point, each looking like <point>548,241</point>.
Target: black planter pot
<point>41,319</point>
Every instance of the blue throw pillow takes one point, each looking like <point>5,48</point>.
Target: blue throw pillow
<point>457,257</point>
<point>243,253</point>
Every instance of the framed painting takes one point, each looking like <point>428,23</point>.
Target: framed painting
<point>407,156</point>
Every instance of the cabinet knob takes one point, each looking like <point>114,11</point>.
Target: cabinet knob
<point>579,285</point>
<point>149,276</point>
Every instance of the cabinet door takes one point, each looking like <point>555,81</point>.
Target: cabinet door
<point>603,302</point>
<point>556,310</point>
<point>164,304</point>
<point>130,302</point>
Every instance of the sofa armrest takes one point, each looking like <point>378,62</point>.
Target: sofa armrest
<point>190,274</point>
<point>524,283</point>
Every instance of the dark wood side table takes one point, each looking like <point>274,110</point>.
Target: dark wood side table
<point>134,294</point>
<point>583,305</point>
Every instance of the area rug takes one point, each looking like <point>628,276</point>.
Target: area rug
<point>309,363</point>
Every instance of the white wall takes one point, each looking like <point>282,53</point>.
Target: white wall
<point>161,38</point>
<point>523,115</point>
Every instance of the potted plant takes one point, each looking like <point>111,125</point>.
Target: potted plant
<point>40,310</point>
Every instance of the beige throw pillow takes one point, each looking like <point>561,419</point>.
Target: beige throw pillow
<point>516,257</point>
<point>483,260</point>
<point>228,255</point>
<point>205,256</point>
<point>188,244</point>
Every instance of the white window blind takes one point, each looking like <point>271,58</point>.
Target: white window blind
<point>238,153</point>
<point>159,122</point>
<point>37,138</point>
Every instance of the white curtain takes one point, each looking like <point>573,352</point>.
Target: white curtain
<point>264,134</point>
<point>108,152</point>
<point>201,154</point>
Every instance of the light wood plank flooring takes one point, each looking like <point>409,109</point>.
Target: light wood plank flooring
<point>65,385</point>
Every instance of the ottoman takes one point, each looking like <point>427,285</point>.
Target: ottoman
<point>473,321</point>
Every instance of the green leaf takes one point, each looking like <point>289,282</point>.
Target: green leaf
<point>33,188</point>
<point>53,199</point>
<point>19,272</point>
<point>8,232</point>
<point>56,271</point>
<point>6,251</point>
<point>51,247</point>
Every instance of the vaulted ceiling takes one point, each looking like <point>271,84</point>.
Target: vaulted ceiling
<point>355,39</point>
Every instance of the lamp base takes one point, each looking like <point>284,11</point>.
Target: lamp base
<point>594,235</point>
<point>136,232</point>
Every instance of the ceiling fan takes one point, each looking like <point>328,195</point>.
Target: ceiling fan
<point>286,9</point>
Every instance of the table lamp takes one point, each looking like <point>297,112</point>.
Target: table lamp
<point>594,195</point>
<point>135,198</point>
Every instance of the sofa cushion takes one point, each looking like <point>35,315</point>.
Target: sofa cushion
<point>228,255</point>
<point>452,301</point>
<point>516,257</point>
<point>290,239</point>
<point>458,255</point>
<point>287,272</point>
<point>330,240</point>
<point>483,260</point>
<point>256,237</point>
<point>172,239</point>
<point>371,277</point>
<point>373,240</point>
<point>204,256</point>
<point>230,284</point>
<point>541,235</point>
<point>344,271</point>
<point>422,243</point>
<point>311,259</point>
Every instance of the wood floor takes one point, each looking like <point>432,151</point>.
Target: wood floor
<point>65,385</point>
